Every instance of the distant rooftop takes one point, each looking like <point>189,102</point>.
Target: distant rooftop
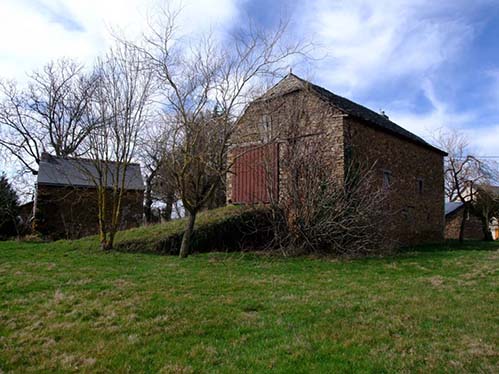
<point>452,206</point>
<point>74,172</point>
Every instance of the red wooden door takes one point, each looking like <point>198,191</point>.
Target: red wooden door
<point>256,174</point>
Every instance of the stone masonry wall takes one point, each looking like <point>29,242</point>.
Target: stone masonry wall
<point>472,228</point>
<point>414,216</point>
<point>68,212</point>
<point>314,118</point>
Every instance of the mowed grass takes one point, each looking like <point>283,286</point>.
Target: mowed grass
<point>72,310</point>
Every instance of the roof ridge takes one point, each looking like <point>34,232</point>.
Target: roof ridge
<point>354,109</point>
<point>313,85</point>
<point>84,159</point>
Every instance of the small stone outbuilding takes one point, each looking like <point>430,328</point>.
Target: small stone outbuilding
<point>454,213</point>
<point>411,167</point>
<point>66,197</point>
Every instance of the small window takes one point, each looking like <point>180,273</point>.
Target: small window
<point>387,179</point>
<point>420,186</point>
<point>266,128</point>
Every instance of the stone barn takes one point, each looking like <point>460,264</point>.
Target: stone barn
<point>474,227</point>
<point>66,197</point>
<point>404,162</point>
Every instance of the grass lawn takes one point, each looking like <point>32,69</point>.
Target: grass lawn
<point>64,309</point>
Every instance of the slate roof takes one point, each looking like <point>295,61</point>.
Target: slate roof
<point>452,206</point>
<point>57,171</point>
<point>292,83</point>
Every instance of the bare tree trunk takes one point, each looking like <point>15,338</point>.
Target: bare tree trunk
<point>148,201</point>
<point>487,234</point>
<point>110,242</point>
<point>101,201</point>
<point>463,224</point>
<point>104,242</point>
<point>484,218</point>
<point>166,214</point>
<point>186,239</point>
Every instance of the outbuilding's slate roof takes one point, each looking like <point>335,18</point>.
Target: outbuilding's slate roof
<point>57,171</point>
<point>293,83</point>
<point>452,206</point>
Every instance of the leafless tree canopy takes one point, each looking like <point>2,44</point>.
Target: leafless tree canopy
<point>486,206</point>
<point>121,104</point>
<point>204,84</point>
<point>49,116</point>
<point>153,154</point>
<point>464,172</point>
<point>323,214</point>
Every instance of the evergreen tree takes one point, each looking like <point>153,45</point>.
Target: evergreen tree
<point>9,209</point>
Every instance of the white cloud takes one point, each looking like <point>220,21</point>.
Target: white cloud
<point>483,139</point>
<point>372,45</point>
<point>439,117</point>
<point>37,31</point>
<point>371,41</point>
<point>30,39</point>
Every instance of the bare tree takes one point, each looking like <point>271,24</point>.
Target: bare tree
<point>154,154</point>
<point>195,76</point>
<point>121,104</point>
<point>486,206</point>
<point>463,172</point>
<point>165,189</point>
<point>151,155</point>
<point>49,116</point>
<point>324,214</point>
<point>317,208</point>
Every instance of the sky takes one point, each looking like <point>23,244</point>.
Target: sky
<point>428,64</point>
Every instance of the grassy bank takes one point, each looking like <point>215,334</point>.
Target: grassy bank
<point>65,309</point>
<point>227,228</point>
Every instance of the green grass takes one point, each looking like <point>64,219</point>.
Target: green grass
<point>153,233</point>
<point>227,227</point>
<point>72,310</point>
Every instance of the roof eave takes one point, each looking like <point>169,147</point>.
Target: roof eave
<point>82,186</point>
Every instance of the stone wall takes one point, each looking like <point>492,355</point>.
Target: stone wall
<point>472,228</point>
<point>312,117</point>
<point>68,212</point>
<point>415,196</point>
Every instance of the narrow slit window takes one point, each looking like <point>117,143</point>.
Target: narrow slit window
<point>387,179</point>
<point>266,128</point>
<point>420,186</point>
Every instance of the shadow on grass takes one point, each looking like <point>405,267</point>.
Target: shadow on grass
<point>455,245</point>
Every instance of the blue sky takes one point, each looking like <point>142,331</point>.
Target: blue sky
<point>427,64</point>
